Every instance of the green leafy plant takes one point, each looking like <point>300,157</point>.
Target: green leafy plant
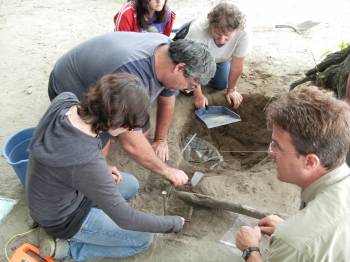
<point>342,45</point>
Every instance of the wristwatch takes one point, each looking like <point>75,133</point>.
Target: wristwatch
<point>247,251</point>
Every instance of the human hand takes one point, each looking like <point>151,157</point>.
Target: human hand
<point>114,172</point>
<point>268,224</point>
<point>248,237</point>
<point>161,149</point>
<point>200,101</point>
<point>233,97</point>
<point>176,176</point>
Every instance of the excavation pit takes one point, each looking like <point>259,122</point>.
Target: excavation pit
<point>242,144</point>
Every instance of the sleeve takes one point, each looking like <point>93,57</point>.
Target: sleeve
<point>125,19</point>
<point>167,92</point>
<point>97,185</point>
<point>169,24</point>
<point>242,47</point>
<point>281,251</point>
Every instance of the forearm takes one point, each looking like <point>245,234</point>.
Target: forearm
<point>139,149</point>
<point>165,111</point>
<point>132,219</point>
<point>197,92</point>
<point>94,182</point>
<point>236,70</point>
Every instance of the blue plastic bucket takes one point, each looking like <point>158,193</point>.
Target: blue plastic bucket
<point>16,153</point>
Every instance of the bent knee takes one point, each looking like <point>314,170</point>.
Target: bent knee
<point>133,183</point>
<point>218,84</point>
<point>145,241</point>
<point>129,185</point>
<point>218,87</point>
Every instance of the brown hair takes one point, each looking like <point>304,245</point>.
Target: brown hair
<point>316,121</point>
<point>116,100</point>
<point>141,7</point>
<point>226,17</point>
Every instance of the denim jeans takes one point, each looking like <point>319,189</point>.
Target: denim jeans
<point>220,79</point>
<point>99,236</point>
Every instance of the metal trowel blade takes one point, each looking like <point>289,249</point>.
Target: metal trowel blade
<point>197,176</point>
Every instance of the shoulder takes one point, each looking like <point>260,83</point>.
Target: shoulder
<point>127,12</point>
<point>65,97</point>
<point>324,220</point>
<point>171,15</point>
<point>244,35</point>
<point>127,8</point>
<point>199,29</point>
<point>200,23</point>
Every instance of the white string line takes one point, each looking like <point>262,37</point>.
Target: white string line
<point>245,151</point>
<point>235,151</point>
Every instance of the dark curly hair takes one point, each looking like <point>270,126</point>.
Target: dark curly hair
<point>116,100</point>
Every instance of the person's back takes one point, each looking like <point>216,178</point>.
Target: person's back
<point>66,172</point>
<point>113,52</point>
<point>72,191</point>
<point>162,66</point>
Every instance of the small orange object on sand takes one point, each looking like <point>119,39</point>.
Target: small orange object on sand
<point>29,253</point>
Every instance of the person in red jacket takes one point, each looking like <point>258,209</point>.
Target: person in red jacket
<point>145,16</point>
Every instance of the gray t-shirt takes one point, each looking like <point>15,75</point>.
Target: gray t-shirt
<point>67,168</point>
<point>113,52</point>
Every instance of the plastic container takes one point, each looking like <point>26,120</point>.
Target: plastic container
<point>16,153</point>
<point>214,116</point>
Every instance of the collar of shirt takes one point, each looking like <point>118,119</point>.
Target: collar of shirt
<point>327,180</point>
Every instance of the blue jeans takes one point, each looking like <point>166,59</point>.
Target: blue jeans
<point>99,236</point>
<point>220,79</point>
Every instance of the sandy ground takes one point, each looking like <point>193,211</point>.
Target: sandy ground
<point>34,34</point>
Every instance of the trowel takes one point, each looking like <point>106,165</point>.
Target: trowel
<point>300,28</point>
<point>196,178</point>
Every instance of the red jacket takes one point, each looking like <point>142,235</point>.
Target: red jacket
<point>125,20</point>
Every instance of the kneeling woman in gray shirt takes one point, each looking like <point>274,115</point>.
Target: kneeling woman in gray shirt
<point>72,193</point>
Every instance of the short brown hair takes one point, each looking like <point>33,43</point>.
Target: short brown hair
<point>116,100</point>
<point>226,17</point>
<point>316,121</point>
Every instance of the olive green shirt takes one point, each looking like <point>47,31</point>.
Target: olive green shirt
<point>320,231</point>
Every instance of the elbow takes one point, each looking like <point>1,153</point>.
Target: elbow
<point>129,148</point>
<point>132,142</point>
